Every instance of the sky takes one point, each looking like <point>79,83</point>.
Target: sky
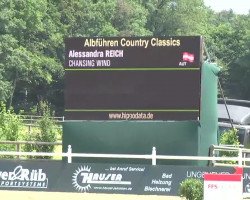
<point>238,6</point>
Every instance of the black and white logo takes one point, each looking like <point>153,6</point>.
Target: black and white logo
<point>247,188</point>
<point>23,178</point>
<point>83,179</point>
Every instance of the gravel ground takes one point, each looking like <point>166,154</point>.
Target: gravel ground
<point>17,195</point>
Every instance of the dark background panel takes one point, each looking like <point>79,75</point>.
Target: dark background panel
<point>132,90</point>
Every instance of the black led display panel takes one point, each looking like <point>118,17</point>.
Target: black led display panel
<point>133,78</point>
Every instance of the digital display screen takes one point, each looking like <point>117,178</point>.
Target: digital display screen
<point>133,78</point>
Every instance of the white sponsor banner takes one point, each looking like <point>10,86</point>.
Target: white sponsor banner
<point>223,186</point>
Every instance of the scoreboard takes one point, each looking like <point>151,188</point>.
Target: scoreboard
<point>133,78</point>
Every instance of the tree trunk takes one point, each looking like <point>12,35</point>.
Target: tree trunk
<point>13,91</point>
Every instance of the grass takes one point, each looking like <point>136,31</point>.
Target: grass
<point>58,149</point>
<point>23,195</point>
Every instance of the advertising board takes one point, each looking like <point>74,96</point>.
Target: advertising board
<point>105,178</point>
<point>223,186</point>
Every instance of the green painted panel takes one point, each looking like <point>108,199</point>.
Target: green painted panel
<point>209,116</point>
<point>127,137</point>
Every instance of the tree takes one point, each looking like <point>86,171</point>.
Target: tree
<point>228,43</point>
<point>5,87</point>
<point>175,17</point>
<point>30,34</point>
<point>238,78</point>
<point>227,38</point>
<point>130,19</point>
<point>103,18</point>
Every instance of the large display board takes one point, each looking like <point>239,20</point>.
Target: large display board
<point>133,78</point>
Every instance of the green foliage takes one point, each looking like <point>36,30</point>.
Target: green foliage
<point>47,132</point>
<point>130,19</point>
<point>10,127</point>
<point>229,137</point>
<point>228,41</point>
<point>238,78</point>
<point>29,35</point>
<point>191,189</point>
<point>5,87</point>
<point>179,17</point>
<point>227,37</point>
<point>10,124</point>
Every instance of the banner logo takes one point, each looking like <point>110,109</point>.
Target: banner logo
<point>188,57</point>
<point>83,178</point>
<point>247,188</point>
<point>23,178</point>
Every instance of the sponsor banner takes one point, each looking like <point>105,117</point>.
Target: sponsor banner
<point>21,177</point>
<point>106,178</point>
<point>103,178</point>
<point>222,186</point>
<point>28,175</point>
